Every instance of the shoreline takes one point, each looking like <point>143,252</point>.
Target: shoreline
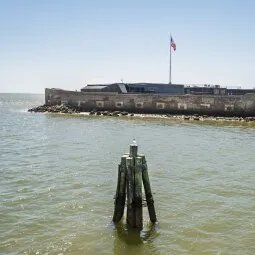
<point>189,118</point>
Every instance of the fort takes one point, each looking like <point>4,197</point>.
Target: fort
<point>157,98</point>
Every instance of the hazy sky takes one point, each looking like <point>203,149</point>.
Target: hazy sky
<point>67,43</point>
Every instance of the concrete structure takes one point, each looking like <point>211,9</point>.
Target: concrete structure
<point>160,88</point>
<point>207,89</point>
<point>175,89</point>
<point>222,105</point>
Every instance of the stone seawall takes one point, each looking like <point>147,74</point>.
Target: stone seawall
<point>238,105</point>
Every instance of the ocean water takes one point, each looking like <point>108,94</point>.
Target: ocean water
<point>59,174</point>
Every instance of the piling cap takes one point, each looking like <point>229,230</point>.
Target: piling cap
<point>133,148</point>
<point>134,143</point>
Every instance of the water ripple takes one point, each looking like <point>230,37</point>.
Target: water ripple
<point>58,179</point>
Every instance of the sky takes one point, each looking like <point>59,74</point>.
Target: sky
<point>68,44</point>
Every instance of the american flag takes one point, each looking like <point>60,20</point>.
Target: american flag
<point>173,45</point>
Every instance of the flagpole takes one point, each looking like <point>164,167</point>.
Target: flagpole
<point>170,64</point>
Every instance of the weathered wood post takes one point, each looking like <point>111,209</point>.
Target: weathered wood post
<point>147,189</point>
<point>138,200</point>
<point>120,196</point>
<point>132,173</point>
<point>130,193</point>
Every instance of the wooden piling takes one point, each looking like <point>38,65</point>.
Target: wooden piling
<point>130,193</point>
<point>120,196</point>
<point>132,174</point>
<point>138,194</point>
<point>147,189</point>
<point>133,149</point>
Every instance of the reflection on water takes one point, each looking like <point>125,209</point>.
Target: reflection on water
<point>126,238</point>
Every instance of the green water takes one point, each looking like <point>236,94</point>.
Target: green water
<point>58,180</point>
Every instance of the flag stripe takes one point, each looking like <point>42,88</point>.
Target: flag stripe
<point>173,45</point>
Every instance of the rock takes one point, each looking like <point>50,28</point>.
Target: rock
<point>196,118</point>
<point>131,114</point>
<point>116,113</point>
<point>124,113</point>
<point>63,108</point>
<point>249,119</point>
<point>186,118</point>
